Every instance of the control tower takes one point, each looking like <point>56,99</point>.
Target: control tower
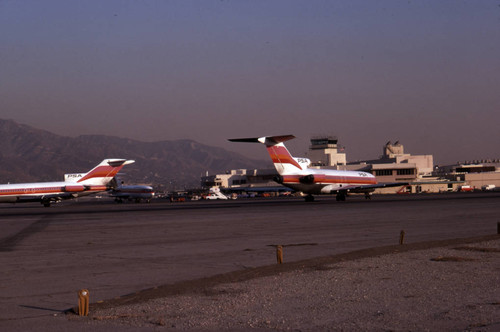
<point>325,152</point>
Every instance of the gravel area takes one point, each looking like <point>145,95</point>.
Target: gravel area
<point>451,288</point>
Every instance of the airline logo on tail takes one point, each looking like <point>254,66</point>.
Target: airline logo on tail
<point>104,172</point>
<point>281,157</point>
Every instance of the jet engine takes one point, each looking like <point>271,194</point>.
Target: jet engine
<point>307,179</point>
<point>278,179</point>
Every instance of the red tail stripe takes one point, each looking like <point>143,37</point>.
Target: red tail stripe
<point>101,172</point>
<point>280,155</point>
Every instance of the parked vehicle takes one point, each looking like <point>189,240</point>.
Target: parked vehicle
<point>215,193</point>
<point>488,187</point>
<point>466,188</point>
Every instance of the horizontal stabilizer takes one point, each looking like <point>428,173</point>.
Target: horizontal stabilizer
<point>267,140</point>
<point>119,162</point>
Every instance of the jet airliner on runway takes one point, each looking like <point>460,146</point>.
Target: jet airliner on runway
<point>132,193</point>
<point>76,185</point>
<point>296,174</point>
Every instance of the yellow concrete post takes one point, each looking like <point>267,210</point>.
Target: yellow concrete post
<point>83,302</point>
<point>402,237</point>
<point>279,254</point>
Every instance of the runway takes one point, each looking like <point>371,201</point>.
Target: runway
<point>48,254</point>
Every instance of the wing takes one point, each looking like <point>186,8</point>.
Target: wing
<point>372,187</point>
<point>43,198</point>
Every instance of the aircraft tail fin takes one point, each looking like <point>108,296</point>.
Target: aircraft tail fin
<point>281,157</point>
<point>103,173</point>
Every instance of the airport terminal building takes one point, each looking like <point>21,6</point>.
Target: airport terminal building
<point>478,174</point>
<point>393,166</point>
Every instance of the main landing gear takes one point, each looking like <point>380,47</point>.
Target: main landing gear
<point>309,198</point>
<point>341,196</point>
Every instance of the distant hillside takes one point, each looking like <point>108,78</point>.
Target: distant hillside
<point>28,154</point>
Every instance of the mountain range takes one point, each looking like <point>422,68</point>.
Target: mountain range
<point>29,154</point>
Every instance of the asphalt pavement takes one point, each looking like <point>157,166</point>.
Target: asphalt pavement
<point>48,254</point>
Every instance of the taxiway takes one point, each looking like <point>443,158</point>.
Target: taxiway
<point>48,254</point>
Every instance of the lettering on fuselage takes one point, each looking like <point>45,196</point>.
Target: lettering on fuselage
<point>74,176</point>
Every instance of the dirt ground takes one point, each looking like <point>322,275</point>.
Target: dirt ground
<point>451,285</point>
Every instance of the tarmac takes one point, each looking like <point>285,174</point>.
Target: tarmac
<point>47,255</point>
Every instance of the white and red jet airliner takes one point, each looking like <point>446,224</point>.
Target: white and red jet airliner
<point>296,174</point>
<point>76,185</point>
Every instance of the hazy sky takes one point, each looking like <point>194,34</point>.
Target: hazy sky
<point>426,73</point>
